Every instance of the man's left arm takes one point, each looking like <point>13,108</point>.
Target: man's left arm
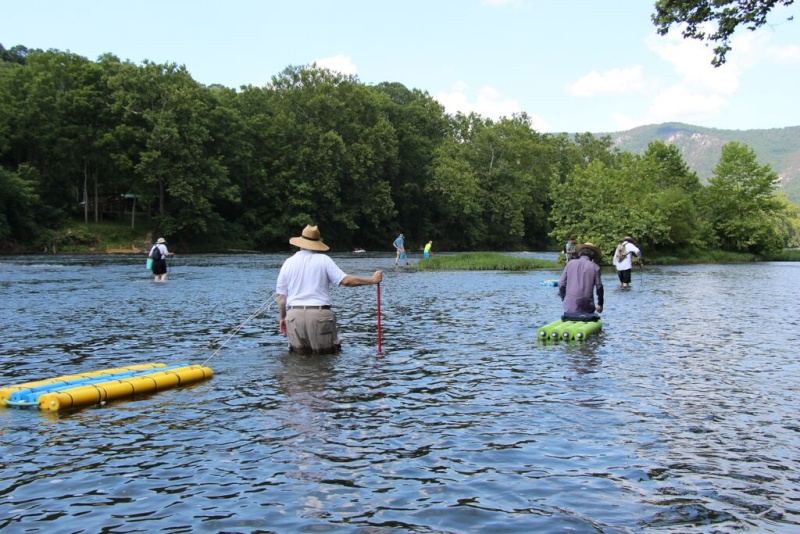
<point>598,286</point>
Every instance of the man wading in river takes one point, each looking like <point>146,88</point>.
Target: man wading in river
<point>304,301</point>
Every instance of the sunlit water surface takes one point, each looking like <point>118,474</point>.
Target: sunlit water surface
<point>682,415</point>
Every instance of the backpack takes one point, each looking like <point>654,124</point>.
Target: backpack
<point>621,253</point>
<point>155,253</point>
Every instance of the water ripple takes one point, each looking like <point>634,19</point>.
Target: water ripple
<point>679,416</point>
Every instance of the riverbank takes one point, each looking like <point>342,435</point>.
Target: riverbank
<point>496,261</point>
<point>119,238</point>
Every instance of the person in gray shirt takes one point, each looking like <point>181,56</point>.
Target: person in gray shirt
<point>580,279</point>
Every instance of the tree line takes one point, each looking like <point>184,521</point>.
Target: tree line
<point>214,168</point>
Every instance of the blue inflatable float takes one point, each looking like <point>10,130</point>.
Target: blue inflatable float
<point>96,387</point>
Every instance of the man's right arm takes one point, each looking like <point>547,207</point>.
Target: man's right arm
<point>282,314</point>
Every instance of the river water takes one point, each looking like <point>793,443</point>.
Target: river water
<point>681,416</point>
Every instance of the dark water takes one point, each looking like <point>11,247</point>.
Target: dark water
<point>681,416</point>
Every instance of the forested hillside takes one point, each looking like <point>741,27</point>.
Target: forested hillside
<point>701,148</point>
<point>215,168</point>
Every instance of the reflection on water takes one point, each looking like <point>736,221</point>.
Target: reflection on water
<point>681,415</point>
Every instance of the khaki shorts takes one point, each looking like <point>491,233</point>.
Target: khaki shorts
<point>312,331</point>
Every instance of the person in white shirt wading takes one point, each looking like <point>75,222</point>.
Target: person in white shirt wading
<point>623,262</point>
<point>304,303</point>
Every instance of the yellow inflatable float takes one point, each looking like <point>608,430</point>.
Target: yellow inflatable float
<point>79,390</point>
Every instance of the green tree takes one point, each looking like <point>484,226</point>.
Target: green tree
<point>14,55</point>
<point>55,118</point>
<point>420,126</point>
<point>166,113</point>
<point>741,202</point>
<point>724,16</point>
<point>492,180</point>
<point>457,187</point>
<point>38,124</point>
<point>676,193</point>
<point>18,200</point>
<point>336,154</point>
<point>602,203</point>
<point>590,148</point>
<point>23,215</point>
<point>790,224</point>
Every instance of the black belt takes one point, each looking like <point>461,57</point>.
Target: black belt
<point>328,307</point>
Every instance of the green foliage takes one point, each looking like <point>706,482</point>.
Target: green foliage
<point>700,256</point>
<point>701,148</point>
<point>789,221</point>
<point>783,255</point>
<point>18,203</point>
<point>492,180</point>
<point>741,203</point>
<point>214,168</point>
<point>695,17</point>
<point>23,215</point>
<point>601,204</point>
<point>341,171</point>
<point>653,197</point>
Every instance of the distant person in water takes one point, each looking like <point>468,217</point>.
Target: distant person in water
<point>400,246</point>
<point>623,261</point>
<point>159,255</point>
<point>569,249</point>
<point>580,279</point>
<point>426,252</point>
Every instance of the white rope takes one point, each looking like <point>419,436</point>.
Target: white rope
<point>263,309</point>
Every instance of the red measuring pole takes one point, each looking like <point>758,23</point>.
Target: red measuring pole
<point>379,318</point>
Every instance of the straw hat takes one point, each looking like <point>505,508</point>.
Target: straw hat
<point>161,241</point>
<point>309,240</point>
<point>629,239</point>
<point>591,246</point>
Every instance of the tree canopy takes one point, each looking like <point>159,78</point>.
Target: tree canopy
<point>713,21</point>
<point>211,167</point>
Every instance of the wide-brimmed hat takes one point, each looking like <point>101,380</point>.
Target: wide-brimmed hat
<point>590,246</point>
<point>161,241</point>
<point>629,239</point>
<point>309,240</point>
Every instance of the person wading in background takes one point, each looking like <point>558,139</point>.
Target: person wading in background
<point>569,249</point>
<point>623,261</point>
<point>159,255</point>
<point>400,246</point>
<point>426,252</point>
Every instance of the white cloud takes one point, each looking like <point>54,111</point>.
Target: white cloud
<point>690,60</point>
<point>691,90</point>
<point>751,48</point>
<point>681,104</point>
<point>701,90</point>
<point>488,103</point>
<point>614,82</point>
<point>341,63</point>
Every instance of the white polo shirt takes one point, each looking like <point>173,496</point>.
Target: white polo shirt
<point>305,279</point>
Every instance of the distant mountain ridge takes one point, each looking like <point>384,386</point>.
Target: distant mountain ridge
<point>701,148</point>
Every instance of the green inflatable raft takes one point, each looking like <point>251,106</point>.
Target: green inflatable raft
<point>569,330</point>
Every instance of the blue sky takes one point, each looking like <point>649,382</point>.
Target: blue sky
<point>572,65</point>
